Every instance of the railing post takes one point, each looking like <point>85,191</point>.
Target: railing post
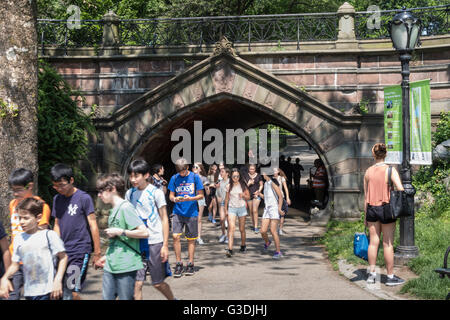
<point>111,36</point>
<point>346,36</point>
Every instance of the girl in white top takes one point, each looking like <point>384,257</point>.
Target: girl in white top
<point>200,170</point>
<point>281,178</point>
<point>237,194</point>
<point>273,201</point>
<point>221,188</point>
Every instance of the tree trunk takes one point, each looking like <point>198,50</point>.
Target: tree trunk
<point>18,90</point>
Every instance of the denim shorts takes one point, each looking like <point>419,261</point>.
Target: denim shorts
<point>239,212</point>
<point>119,285</point>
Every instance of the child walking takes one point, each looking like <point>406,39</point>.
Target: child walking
<point>21,183</point>
<point>36,249</point>
<point>123,258</point>
<point>150,204</point>
<point>235,200</point>
<point>76,224</point>
<point>273,201</point>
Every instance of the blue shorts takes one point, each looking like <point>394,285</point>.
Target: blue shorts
<point>239,212</point>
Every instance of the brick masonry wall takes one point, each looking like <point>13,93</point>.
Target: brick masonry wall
<point>340,80</point>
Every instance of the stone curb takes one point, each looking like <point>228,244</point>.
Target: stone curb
<point>359,278</point>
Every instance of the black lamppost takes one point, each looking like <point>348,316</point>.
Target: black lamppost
<point>404,30</point>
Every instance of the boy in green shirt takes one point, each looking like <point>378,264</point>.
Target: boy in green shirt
<point>123,258</point>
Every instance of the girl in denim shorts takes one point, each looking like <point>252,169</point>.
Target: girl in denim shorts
<point>237,194</point>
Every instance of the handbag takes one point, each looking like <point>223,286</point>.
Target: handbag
<point>396,200</point>
<point>361,245</point>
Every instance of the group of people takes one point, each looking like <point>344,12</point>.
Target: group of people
<point>52,263</point>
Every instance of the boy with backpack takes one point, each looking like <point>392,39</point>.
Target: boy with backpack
<point>123,258</point>
<point>76,224</point>
<point>150,204</point>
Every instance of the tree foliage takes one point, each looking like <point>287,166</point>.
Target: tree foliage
<point>145,9</point>
<point>62,127</point>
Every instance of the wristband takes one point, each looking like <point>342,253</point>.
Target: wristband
<point>124,233</point>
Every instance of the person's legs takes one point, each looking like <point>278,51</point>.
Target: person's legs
<point>250,211</point>
<point>213,208</point>
<point>374,232</point>
<point>164,288</point>
<point>177,246</point>
<point>108,286</point>
<point>125,285</point>
<point>231,228</point>
<point>388,246</point>
<point>222,218</point>
<point>255,207</point>
<point>191,250</point>
<point>264,227</point>
<point>141,275</point>
<point>242,230</point>
<point>274,231</point>
<point>200,215</point>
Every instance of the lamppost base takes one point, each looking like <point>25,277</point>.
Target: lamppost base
<point>404,254</point>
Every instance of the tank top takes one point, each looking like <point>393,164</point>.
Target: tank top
<point>269,195</point>
<point>222,191</point>
<point>377,191</point>
<point>235,201</point>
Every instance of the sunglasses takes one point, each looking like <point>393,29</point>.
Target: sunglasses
<point>196,167</point>
<point>235,176</point>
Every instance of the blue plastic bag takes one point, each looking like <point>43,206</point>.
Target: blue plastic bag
<point>361,245</point>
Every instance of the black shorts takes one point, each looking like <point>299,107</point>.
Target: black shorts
<point>379,213</point>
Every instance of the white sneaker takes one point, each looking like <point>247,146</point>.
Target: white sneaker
<point>226,240</point>
<point>200,241</point>
<point>280,232</point>
<point>222,238</point>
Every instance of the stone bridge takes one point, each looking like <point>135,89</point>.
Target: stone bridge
<point>313,89</point>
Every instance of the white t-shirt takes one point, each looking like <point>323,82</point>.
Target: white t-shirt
<point>270,198</point>
<point>280,182</point>
<point>37,255</point>
<point>147,202</point>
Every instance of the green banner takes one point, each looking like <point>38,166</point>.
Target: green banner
<point>420,122</point>
<point>393,124</point>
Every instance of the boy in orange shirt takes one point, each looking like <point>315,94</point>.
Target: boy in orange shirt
<point>21,183</point>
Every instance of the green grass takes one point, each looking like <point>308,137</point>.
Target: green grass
<point>432,237</point>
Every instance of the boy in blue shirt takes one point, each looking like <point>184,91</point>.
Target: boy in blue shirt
<point>185,189</point>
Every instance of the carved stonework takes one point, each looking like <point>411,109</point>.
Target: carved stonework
<point>223,78</point>
<point>224,46</point>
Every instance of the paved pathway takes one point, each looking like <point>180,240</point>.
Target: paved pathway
<point>303,273</point>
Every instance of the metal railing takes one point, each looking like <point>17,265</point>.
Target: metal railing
<point>374,25</point>
<point>201,31</point>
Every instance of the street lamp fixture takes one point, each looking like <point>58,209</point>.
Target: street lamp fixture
<point>405,30</point>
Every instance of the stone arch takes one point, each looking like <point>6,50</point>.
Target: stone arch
<point>225,78</point>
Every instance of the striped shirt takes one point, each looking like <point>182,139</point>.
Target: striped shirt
<point>319,179</point>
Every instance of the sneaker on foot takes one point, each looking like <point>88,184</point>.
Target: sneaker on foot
<point>371,278</point>
<point>280,232</point>
<point>213,221</point>
<point>189,269</point>
<point>243,249</point>
<point>226,240</point>
<point>256,230</point>
<point>200,241</point>
<point>395,281</point>
<point>277,255</point>
<point>178,270</point>
<point>222,238</point>
<point>229,253</point>
<point>266,245</point>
